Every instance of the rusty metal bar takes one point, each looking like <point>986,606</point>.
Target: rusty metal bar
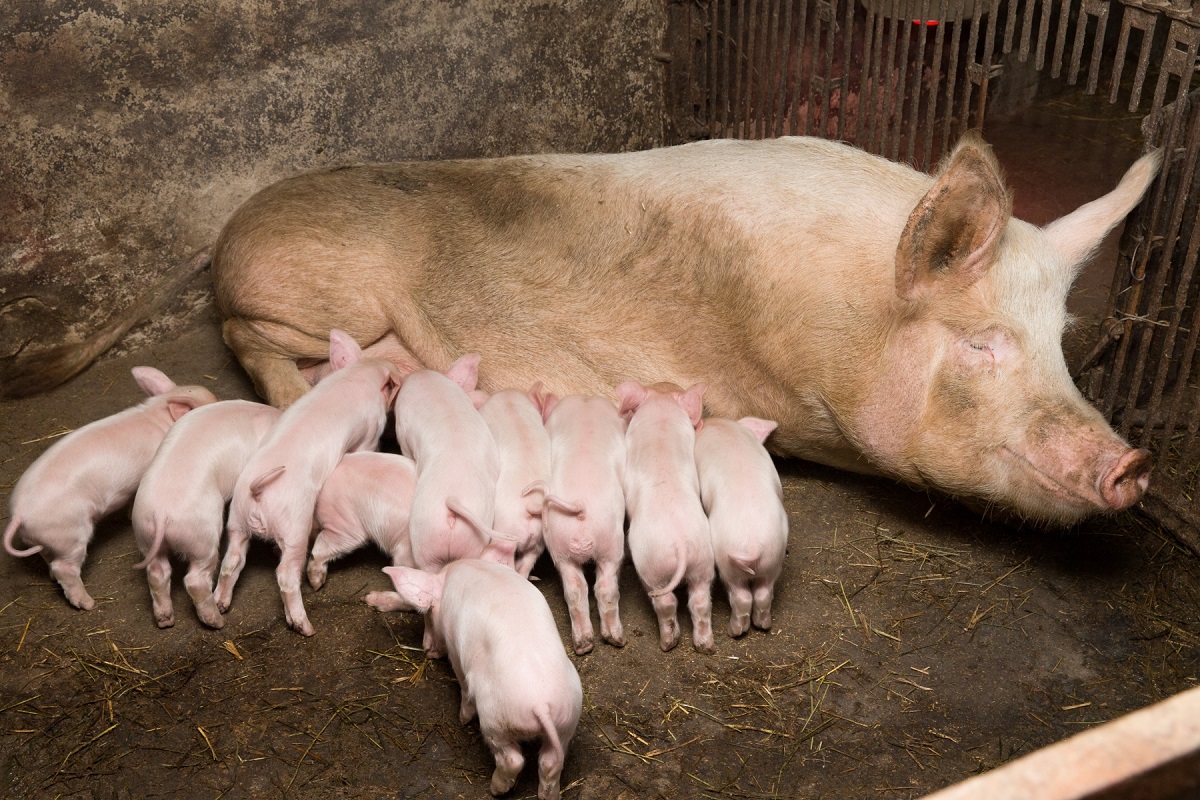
<point>848,29</point>
<point>1180,62</point>
<point>964,122</point>
<point>914,108</point>
<point>939,38</point>
<point>1134,17</point>
<point>1047,8</point>
<point>904,35</point>
<point>955,58</point>
<point>1060,41</point>
<point>1026,30</point>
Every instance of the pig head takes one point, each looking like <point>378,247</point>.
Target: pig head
<point>891,321</point>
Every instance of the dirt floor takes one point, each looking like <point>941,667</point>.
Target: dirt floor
<point>914,645</point>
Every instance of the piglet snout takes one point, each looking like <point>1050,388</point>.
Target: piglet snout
<point>1126,480</point>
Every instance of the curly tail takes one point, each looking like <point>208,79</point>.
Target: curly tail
<point>160,532</point>
<point>9,533</point>
<point>32,373</point>
<point>681,558</point>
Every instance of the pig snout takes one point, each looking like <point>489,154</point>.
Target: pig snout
<point>1126,480</point>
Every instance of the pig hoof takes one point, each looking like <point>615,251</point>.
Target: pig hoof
<point>166,622</point>
<point>84,603</point>
<point>763,622</point>
<point>302,627</point>
<point>708,648</point>
<point>215,621</point>
<point>668,644</point>
<point>316,578</point>
<point>616,640</point>
<point>738,625</point>
<point>584,646</point>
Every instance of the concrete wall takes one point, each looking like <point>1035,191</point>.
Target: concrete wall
<point>129,130</point>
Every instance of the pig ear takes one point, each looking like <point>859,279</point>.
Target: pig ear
<point>1077,235</point>
<point>391,386</point>
<point>502,550</point>
<point>547,405</point>
<point>465,372</point>
<point>537,395</point>
<point>152,381</point>
<point>478,398</point>
<point>343,350</point>
<point>419,589</point>
<point>693,403</point>
<point>951,237</point>
<point>632,395</point>
<point>179,406</point>
<point>761,428</point>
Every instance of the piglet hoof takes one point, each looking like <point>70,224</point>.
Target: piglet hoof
<point>302,626</point>
<point>316,576</point>
<point>83,602</point>
<point>166,622</point>
<point>704,645</point>
<point>501,785</point>
<point>739,624</point>
<point>584,646</point>
<point>616,639</point>
<point>215,621</point>
<point>668,641</point>
<point>762,621</point>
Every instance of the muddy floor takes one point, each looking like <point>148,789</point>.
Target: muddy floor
<point>914,643</point>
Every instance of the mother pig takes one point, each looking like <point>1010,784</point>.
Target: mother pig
<point>890,321</point>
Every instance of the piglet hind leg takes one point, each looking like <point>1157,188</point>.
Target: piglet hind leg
<point>198,582</point>
<point>231,567</point>
<point>665,607</point>
<point>575,592</point>
<point>764,596</point>
<point>158,575</point>
<point>288,575</point>
<point>509,762</point>
<point>700,608</point>
<point>550,767</point>
<point>66,568</point>
<point>740,603</point>
<point>608,596</point>
<point>330,544</point>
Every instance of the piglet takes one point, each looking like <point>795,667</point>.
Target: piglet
<point>668,531</point>
<point>584,513</point>
<point>503,644</point>
<point>515,420</point>
<point>367,498</point>
<point>182,497</point>
<point>276,495</point>
<point>90,473</point>
<point>740,490</point>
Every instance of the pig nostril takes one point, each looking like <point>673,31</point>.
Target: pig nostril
<point>1127,480</point>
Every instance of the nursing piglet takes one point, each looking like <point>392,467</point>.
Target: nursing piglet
<point>503,644</point>
<point>515,420</point>
<point>584,512</point>
<point>453,504</point>
<point>668,531</point>
<point>180,505</point>
<point>92,472</point>
<point>367,498</point>
<point>276,495</point>
<point>740,490</point>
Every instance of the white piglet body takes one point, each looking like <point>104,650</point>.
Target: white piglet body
<point>523,447</point>
<point>503,644</point>
<point>90,473</point>
<point>276,495</point>
<point>668,530</point>
<point>367,498</point>
<point>584,510</point>
<point>742,496</point>
<point>180,505</point>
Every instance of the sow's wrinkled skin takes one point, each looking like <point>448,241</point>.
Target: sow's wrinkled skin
<point>584,509</point>
<point>668,531</point>
<point>92,472</point>
<point>890,321</point>
<point>367,498</point>
<point>180,504</point>
<point>276,494</point>
<point>743,499</point>
<point>523,446</point>
<point>512,670</point>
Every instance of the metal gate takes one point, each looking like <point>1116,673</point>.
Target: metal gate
<point>905,78</point>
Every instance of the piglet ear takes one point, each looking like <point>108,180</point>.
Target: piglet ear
<point>465,372</point>
<point>632,395</point>
<point>419,589</point>
<point>761,428</point>
<point>179,406</point>
<point>547,405</point>
<point>693,403</point>
<point>343,350</point>
<point>152,381</point>
<point>391,386</point>
<point>502,550</point>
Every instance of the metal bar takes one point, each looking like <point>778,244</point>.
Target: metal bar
<point>1060,41</point>
<point>771,74</point>
<point>1176,61</point>
<point>827,14</point>
<point>955,58</point>
<point>988,70</point>
<point>1010,26</point>
<point>726,71</point>
<point>781,70</point>
<point>848,29</point>
<point>1047,8</point>
<point>964,120</point>
<point>1026,30</point>
<point>914,107</point>
<point>1133,17</point>
<point>871,108</point>
<point>939,37</point>
<point>904,34</point>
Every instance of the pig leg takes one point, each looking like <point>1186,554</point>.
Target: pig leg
<point>198,582</point>
<point>608,595</point>
<point>575,591</point>
<point>550,766</point>
<point>764,595</point>
<point>466,708</point>
<point>509,761</point>
<point>665,606</point>
<point>740,602</point>
<point>276,376</point>
<point>66,568</point>
<point>288,574</point>
<point>158,575</point>
<point>528,559</point>
<point>231,567</point>
<point>329,545</point>
<point>700,607</point>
